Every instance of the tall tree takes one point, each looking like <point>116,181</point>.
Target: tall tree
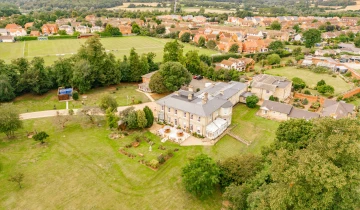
<point>192,62</point>
<point>157,83</point>
<point>312,36</point>
<point>149,116</point>
<point>63,71</point>
<point>173,51</point>
<point>82,77</point>
<point>138,67</point>
<point>174,75</point>
<point>6,89</point>
<point>275,25</point>
<point>200,176</point>
<point>141,118</point>
<point>124,66</point>
<point>111,71</point>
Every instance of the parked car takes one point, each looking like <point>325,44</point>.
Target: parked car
<point>199,77</point>
<point>195,76</point>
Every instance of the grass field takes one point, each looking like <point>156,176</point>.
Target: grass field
<point>32,103</point>
<point>52,49</point>
<point>311,78</point>
<point>81,168</point>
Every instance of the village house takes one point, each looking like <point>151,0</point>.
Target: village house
<point>49,29</point>
<point>96,29</point>
<point>35,33</point>
<point>337,110</point>
<point>233,63</point>
<point>125,29</point>
<point>28,25</point>
<point>67,28</point>
<point>144,86</point>
<point>82,29</point>
<point>90,18</point>
<point>15,30</point>
<point>264,86</point>
<point>207,113</point>
<point>281,112</point>
<point>7,39</point>
<point>249,47</point>
<point>4,32</point>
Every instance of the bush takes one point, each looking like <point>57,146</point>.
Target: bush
<point>307,92</point>
<point>273,59</point>
<point>154,164</point>
<point>251,101</point>
<point>305,102</point>
<point>320,70</point>
<point>161,159</point>
<point>272,98</point>
<point>75,95</point>
<point>298,83</point>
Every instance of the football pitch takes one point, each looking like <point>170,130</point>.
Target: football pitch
<point>52,50</point>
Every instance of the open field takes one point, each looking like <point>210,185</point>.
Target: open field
<point>311,78</point>
<point>32,103</point>
<point>51,50</point>
<point>352,7</point>
<point>81,168</point>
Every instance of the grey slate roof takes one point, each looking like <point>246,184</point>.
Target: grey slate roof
<point>303,114</point>
<point>336,109</point>
<point>148,75</point>
<point>269,82</point>
<point>277,106</point>
<point>215,101</point>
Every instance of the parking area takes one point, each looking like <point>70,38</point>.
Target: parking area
<point>200,83</point>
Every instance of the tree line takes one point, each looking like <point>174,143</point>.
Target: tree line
<point>310,165</point>
<point>90,67</point>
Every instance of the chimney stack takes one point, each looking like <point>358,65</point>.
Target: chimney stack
<point>205,98</point>
<point>191,88</point>
<point>190,96</point>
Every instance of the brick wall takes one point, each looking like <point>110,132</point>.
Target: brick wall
<point>352,92</point>
<point>310,98</point>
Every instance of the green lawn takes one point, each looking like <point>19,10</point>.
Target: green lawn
<point>32,103</point>
<point>257,130</point>
<point>311,78</point>
<point>80,167</point>
<point>52,49</point>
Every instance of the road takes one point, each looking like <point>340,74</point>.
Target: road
<point>53,113</point>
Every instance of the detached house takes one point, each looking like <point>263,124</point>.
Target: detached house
<point>82,29</point>
<point>49,29</point>
<point>144,86</point>
<point>337,110</point>
<point>67,28</point>
<point>280,111</point>
<point>207,113</point>
<point>15,30</point>
<point>125,30</point>
<point>264,86</point>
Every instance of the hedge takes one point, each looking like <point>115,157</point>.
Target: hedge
<point>25,38</point>
<point>219,58</point>
<point>62,37</point>
<point>281,53</point>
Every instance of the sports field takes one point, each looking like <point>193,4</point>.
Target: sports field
<point>51,50</point>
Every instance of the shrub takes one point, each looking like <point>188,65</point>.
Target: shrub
<point>305,102</point>
<point>75,95</point>
<point>161,159</point>
<point>298,83</point>
<point>251,101</point>
<point>272,98</point>
<point>154,164</point>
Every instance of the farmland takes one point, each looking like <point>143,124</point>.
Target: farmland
<point>80,167</point>
<point>51,50</point>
